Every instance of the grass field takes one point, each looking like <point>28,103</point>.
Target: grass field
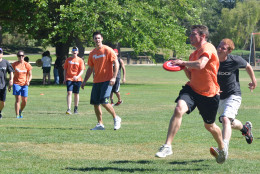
<point>48,141</point>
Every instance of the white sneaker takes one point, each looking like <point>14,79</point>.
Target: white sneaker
<point>117,123</point>
<point>220,155</point>
<point>99,127</point>
<point>164,151</point>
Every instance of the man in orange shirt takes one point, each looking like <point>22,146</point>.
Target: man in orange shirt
<point>202,91</point>
<point>22,79</point>
<point>73,69</point>
<point>101,60</point>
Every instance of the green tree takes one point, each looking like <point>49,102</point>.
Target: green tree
<point>143,25</point>
<point>240,22</point>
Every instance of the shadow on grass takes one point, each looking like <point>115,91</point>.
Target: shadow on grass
<point>185,162</point>
<point>127,161</point>
<point>138,169</point>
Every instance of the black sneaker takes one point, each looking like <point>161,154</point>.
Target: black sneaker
<point>75,111</point>
<point>249,136</point>
<point>0,115</point>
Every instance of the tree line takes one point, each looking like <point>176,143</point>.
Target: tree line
<point>144,25</point>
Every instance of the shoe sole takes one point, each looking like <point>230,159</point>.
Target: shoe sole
<point>97,129</point>
<point>163,156</point>
<point>213,152</point>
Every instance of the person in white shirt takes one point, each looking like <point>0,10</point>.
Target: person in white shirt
<point>46,67</point>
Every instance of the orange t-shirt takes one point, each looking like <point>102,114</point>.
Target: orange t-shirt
<point>204,81</point>
<point>102,61</point>
<point>21,72</point>
<point>73,67</point>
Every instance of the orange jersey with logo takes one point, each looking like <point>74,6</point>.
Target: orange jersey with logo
<point>21,72</point>
<point>73,67</point>
<point>102,62</point>
<point>204,81</point>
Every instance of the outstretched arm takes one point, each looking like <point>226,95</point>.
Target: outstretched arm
<point>252,85</point>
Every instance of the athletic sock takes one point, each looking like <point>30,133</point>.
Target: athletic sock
<point>75,107</point>
<point>244,130</point>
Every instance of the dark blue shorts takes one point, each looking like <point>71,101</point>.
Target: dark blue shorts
<point>3,94</point>
<point>100,93</point>
<point>73,86</point>
<point>46,69</point>
<point>20,90</point>
<point>207,106</point>
<point>116,86</point>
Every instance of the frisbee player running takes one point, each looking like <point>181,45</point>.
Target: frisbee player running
<point>201,91</point>
<point>230,96</point>
<point>5,67</point>
<point>22,79</point>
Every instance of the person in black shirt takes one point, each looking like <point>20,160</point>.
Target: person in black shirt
<point>230,96</point>
<point>5,67</point>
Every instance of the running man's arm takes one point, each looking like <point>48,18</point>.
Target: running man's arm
<point>88,74</point>
<point>197,64</point>
<point>10,81</point>
<point>252,85</point>
<point>116,67</point>
<point>123,69</point>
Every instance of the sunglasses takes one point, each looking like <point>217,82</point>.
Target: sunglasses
<point>20,55</point>
<point>74,50</point>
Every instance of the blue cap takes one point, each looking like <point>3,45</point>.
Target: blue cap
<point>1,50</point>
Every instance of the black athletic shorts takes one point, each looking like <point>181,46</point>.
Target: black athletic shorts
<point>116,86</point>
<point>3,94</point>
<point>46,69</point>
<point>207,106</point>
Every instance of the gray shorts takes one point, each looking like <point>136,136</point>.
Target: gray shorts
<point>100,93</point>
<point>229,107</point>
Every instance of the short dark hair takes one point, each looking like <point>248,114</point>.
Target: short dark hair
<point>202,29</point>
<point>96,33</point>
<point>21,51</point>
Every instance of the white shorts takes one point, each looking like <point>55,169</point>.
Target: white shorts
<point>229,107</point>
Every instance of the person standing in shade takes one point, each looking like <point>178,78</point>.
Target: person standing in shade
<point>73,69</point>
<point>116,86</point>
<point>22,79</point>
<point>230,96</point>
<point>101,60</point>
<point>56,72</point>
<point>46,67</point>
<point>5,67</point>
<point>201,91</point>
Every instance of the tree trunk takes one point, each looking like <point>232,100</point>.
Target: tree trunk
<point>1,36</point>
<point>80,46</point>
<point>62,50</point>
